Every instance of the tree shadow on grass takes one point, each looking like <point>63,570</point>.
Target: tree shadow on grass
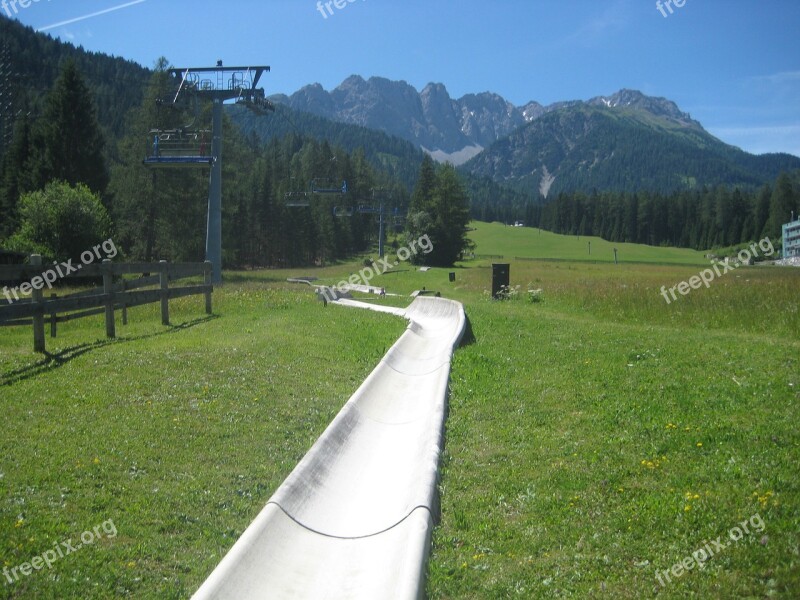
<point>52,361</point>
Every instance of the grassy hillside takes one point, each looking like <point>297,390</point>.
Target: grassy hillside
<point>595,438</point>
<point>524,242</point>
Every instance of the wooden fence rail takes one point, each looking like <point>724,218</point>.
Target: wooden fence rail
<point>107,299</point>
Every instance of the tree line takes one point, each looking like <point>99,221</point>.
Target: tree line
<point>30,62</point>
<point>280,200</point>
<point>161,214</point>
<point>700,219</point>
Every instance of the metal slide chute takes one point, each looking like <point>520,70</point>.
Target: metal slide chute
<point>353,520</point>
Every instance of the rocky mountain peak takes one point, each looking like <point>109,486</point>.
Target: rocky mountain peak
<point>447,128</point>
<point>660,107</point>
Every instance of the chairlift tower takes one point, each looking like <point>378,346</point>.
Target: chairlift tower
<point>218,84</point>
<point>327,187</point>
<point>375,210</point>
<point>379,209</point>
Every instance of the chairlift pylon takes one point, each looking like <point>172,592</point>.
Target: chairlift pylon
<point>207,83</point>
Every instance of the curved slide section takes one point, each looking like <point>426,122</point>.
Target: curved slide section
<point>353,519</point>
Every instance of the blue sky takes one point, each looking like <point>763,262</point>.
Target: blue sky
<point>733,64</point>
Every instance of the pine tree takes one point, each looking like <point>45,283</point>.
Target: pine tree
<point>70,134</point>
<point>422,198</point>
<point>445,216</point>
<point>451,209</point>
<point>781,205</point>
<point>159,214</point>
<point>16,178</point>
<point>761,211</point>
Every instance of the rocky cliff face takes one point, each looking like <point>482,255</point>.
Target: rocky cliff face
<point>431,119</point>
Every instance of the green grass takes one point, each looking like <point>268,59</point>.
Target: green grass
<point>178,435</point>
<point>577,430</point>
<point>524,242</point>
<point>593,438</point>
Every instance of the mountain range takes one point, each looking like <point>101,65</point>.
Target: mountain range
<point>625,142</point>
<point>454,130</point>
<point>508,154</point>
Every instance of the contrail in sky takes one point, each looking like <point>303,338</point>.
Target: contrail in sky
<point>94,14</point>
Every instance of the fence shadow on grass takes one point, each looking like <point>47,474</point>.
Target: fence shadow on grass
<point>469,335</point>
<point>53,361</point>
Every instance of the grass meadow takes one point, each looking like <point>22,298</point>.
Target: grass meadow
<point>524,242</point>
<point>596,437</point>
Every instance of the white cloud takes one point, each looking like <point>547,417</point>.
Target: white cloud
<point>613,19</point>
<point>784,78</point>
<point>91,15</point>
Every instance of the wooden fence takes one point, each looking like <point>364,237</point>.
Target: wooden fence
<point>37,310</point>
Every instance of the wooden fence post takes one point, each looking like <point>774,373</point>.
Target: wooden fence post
<point>164,279</point>
<point>108,290</point>
<point>124,303</point>
<point>207,281</point>
<point>38,315</point>
<point>53,318</point>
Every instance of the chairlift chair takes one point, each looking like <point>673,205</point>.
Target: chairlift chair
<point>179,148</point>
<point>343,211</point>
<point>296,200</point>
<point>327,186</point>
